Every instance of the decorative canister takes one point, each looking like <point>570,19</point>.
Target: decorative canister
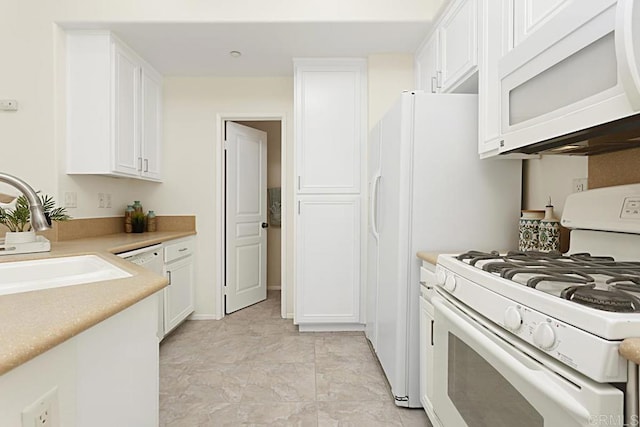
<point>529,226</point>
<point>549,231</point>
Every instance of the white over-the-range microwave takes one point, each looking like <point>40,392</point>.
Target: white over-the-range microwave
<point>574,86</point>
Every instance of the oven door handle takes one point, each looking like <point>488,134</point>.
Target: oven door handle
<point>501,354</point>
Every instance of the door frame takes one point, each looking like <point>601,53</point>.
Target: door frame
<point>220,189</point>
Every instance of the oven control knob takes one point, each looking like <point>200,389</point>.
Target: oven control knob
<point>450,283</point>
<point>512,319</point>
<point>544,336</point>
<point>441,276</point>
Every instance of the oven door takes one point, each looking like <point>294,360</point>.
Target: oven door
<point>481,380</point>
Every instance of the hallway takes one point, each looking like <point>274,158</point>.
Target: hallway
<point>255,368</point>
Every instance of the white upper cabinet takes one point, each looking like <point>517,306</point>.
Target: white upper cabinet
<point>530,15</point>
<point>427,65</point>
<point>495,43</point>
<point>114,104</point>
<point>448,60</point>
<point>458,44</point>
<point>126,111</point>
<point>330,134</point>
<point>151,124</point>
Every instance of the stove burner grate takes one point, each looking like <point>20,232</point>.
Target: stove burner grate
<point>603,282</point>
<point>607,300</point>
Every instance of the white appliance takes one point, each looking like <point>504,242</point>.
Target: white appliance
<point>151,258</point>
<point>427,191</point>
<point>546,91</point>
<point>542,331</point>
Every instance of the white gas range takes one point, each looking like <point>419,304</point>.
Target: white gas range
<point>541,332</point>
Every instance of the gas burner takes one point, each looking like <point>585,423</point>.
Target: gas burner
<point>475,256</point>
<point>595,276</point>
<point>608,300</point>
<point>533,255</point>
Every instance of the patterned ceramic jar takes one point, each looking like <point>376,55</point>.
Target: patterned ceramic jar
<point>529,230</point>
<point>549,231</point>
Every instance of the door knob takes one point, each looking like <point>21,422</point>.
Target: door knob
<point>265,225</point>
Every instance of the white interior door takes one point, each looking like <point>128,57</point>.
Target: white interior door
<point>246,239</point>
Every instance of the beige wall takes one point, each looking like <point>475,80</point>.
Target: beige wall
<point>274,170</point>
<point>191,133</point>
<point>389,75</point>
<point>551,176</point>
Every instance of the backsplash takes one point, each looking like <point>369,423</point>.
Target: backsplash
<point>93,227</point>
<point>618,168</point>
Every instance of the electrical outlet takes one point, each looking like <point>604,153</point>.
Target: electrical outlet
<point>43,412</point>
<point>70,199</point>
<point>108,200</point>
<point>101,200</point>
<point>579,184</point>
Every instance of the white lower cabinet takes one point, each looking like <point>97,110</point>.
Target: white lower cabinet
<point>328,264</point>
<point>427,281</point>
<point>179,294</point>
<point>103,377</point>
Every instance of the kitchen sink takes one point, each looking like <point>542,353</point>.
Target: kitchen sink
<point>24,276</point>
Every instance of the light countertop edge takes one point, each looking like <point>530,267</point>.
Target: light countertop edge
<point>430,257</point>
<point>630,350</point>
<point>33,322</point>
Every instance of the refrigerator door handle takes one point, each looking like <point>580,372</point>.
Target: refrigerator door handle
<point>373,209</point>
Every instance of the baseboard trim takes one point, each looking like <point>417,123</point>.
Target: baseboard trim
<point>330,327</point>
<point>202,317</point>
<point>274,287</point>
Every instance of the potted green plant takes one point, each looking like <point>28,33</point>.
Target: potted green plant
<point>17,218</point>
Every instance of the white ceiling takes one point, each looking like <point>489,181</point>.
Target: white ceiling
<point>202,49</point>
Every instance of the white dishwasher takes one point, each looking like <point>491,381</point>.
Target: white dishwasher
<point>151,258</point>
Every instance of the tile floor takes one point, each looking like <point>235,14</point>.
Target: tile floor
<point>255,368</point>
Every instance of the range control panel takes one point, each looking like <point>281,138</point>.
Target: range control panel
<point>631,208</point>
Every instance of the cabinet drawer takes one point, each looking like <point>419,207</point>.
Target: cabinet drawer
<point>174,251</point>
<point>427,276</point>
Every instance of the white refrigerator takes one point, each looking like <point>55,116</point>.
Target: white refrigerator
<point>428,191</point>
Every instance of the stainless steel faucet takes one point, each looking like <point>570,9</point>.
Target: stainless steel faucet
<point>39,220</point>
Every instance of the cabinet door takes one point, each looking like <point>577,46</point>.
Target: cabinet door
<point>126,112</point>
<point>426,354</point>
<point>329,109</point>
<point>427,65</point>
<point>458,44</point>
<point>494,38</point>
<point>151,125</point>
<point>179,301</point>
<point>328,260</point>
<point>530,15</point>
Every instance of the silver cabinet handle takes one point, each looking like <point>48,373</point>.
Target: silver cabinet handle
<point>434,84</point>
<point>439,78</point>
<point>169,276</point>
<point>139,163</point>
<point>146,165</point>
<point>182,249</point>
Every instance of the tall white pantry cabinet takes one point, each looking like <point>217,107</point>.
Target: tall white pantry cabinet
<point>330,140</point>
